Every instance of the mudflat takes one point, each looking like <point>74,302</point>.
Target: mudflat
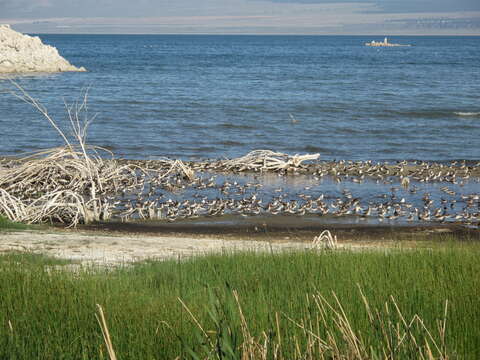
<point>120,243</point>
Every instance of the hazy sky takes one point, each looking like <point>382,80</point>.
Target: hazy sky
<point>244,16</point>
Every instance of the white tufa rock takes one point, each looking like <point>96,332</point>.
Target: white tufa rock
<point>21,53</point>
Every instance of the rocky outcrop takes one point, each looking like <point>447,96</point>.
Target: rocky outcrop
<point>21,53</point>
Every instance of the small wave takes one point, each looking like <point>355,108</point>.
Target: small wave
<point>110,147</point>
<point>347,131</point>
<point>427,114</point>
<point>201,149</point>
<point>461,113</point>
<point>230,143</point>
<point>314,149</point>
<point>140,148</point>
<point>235,126</point>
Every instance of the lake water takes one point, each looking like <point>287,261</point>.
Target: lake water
<point>197,97</point>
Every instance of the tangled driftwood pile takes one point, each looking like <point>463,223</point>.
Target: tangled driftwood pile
<point>62,184</point>
<point>263,160</point>
<point>72,187</point>
<point>70,184</point>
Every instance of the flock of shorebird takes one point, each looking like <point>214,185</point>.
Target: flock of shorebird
<point>353,191</point>
<point>404,191</point>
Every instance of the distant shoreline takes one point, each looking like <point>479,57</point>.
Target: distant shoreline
<point>248,34</point>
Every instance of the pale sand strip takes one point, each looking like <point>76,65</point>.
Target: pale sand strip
<point>126,248</point>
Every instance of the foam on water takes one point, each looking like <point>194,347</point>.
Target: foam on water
<point>467,113</point>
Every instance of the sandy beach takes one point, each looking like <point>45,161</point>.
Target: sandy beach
<point>115,249</point>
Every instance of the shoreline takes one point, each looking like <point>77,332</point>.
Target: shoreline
<point>278,228</point>
<point>344,167</point>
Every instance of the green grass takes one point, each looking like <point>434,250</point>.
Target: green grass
<point>6,224</point>
<point>50,313</point>
<point>31,260</point>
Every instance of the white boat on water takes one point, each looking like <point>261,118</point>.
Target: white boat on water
<point>384,43</point>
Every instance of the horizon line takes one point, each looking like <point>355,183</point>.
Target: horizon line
<point>249,34</point>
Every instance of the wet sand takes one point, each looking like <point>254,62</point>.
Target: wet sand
<point>283,228</point>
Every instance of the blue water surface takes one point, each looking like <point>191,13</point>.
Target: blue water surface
<point>196,97</point>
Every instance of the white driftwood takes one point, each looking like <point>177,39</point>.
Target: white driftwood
<point>266,160</point>
<point>176,166</point>
<point>325,241</point>
<point>71,183</point>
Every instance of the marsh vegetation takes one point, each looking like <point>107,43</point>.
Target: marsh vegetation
<point>400,304</point>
